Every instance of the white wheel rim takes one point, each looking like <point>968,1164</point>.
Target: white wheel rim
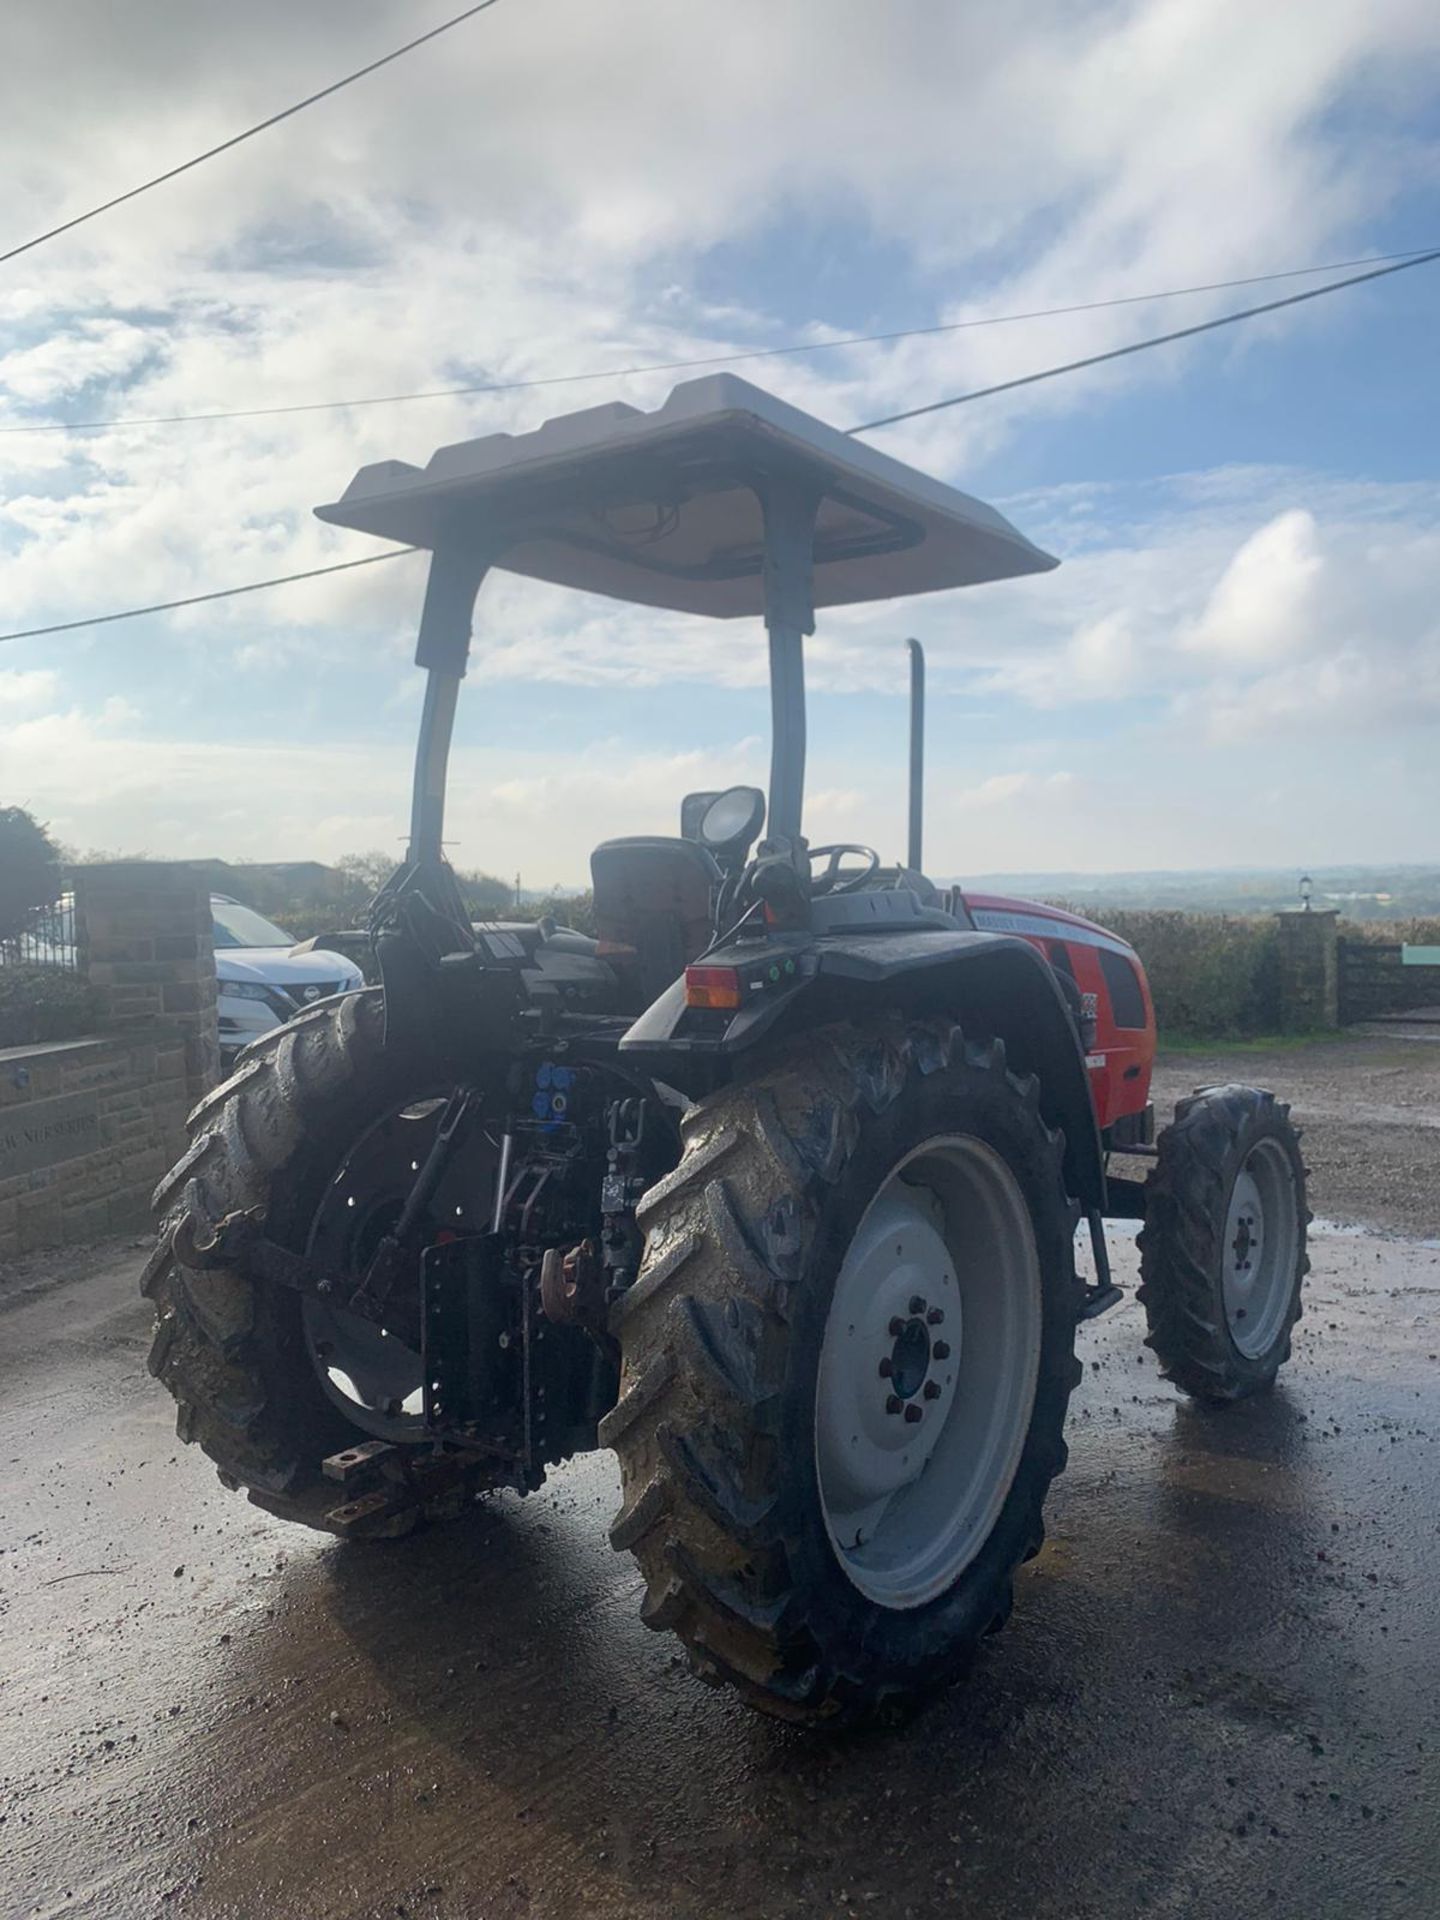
<point>1258,1254</point>
<point>909,1501</point>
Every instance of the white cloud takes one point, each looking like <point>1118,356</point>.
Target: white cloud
<point>102,783</point>
<point>1266,602</point>
<point>543,190</point>
<point>1002,788</point>
<point>1099,661</point>
<point>530,193</point>
<point>1213,597</point>
<point>1338,695</point>
<point>1135,769</point>
<point>73,357</point>
<point>21,691</point>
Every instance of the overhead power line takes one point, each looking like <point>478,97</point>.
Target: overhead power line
<point>1141,346</point>
<point>235,140</point>
<point>199,599</point>
<point>868,426</point>
<point>705,360</point>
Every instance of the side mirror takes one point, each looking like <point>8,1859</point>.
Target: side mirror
<point>732,820</point>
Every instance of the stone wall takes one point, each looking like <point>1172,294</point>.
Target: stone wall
<point>86,1129</point>
<point>88,1126</point>
<point>147,941</point>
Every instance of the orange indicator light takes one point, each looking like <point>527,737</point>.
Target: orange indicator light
<point>712,987</point>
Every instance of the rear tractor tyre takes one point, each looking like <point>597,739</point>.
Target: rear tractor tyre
<point>1222,1253</point>
<point>847,1359</point>
<point>316,1135</point>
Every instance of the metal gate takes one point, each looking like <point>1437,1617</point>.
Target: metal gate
<point>1385,980</point>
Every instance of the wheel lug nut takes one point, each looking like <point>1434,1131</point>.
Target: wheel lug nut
<point>887,1367</point>
<point>932,1389</point>
<point>897,1327</point>
<point>917,1303</point>
<point>914,1414</point>
<point>894,1403</point>
<point>934,1317</point>
<point>940,1350</point>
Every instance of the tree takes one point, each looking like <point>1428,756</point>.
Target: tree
<point>29,869</point>
<point>367,872</point>
<point>487,897</point>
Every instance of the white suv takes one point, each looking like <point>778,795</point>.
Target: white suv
<point>262,980</point>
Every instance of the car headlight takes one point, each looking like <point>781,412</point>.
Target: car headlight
<point>275,998</point>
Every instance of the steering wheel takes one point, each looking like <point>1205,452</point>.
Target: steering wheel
<point>832,880</point>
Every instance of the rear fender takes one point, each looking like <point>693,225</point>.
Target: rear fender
<point>991,984</point>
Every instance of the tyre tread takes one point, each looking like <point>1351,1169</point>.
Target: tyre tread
<point>1186,1200</point>
<point>704,1334</point>
<point>207,1344</point>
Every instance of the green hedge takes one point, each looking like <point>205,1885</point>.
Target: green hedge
<point>1212,975</point>
<point>1216,976</point>
<point>1413,933</point>
<point>44,1003</point>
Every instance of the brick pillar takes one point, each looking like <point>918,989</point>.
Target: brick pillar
<point>1309,969</point>
<point>145,937</point>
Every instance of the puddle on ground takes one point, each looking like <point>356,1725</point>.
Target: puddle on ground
<point>1352,1230</point>
<point>1121,1233</point>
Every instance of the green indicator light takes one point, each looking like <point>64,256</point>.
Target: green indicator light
<point>789,966</point>
<point>774,973</point>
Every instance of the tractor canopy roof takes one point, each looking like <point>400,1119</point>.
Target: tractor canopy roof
<point>664,508</point>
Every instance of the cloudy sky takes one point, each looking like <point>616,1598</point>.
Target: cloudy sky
<point>1238,662</point>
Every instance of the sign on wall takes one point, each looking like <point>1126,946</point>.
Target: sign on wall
<point>46,1133</point>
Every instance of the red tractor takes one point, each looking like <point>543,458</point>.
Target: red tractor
<point>773,1186</point>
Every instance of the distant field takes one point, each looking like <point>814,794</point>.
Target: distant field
<point>1360,893</point>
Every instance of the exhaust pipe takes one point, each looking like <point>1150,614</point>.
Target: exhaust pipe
<point>917,754</point>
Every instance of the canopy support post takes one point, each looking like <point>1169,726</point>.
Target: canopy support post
<point>789,511</point>
<point>419,915</point>
<point>917,755</point>
<point>443,650</point>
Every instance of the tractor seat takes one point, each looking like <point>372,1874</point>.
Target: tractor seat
<point>654,902</point>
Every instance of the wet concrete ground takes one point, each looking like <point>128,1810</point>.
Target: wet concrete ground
<point>1219,1693</point>
<point>1369,1104</point>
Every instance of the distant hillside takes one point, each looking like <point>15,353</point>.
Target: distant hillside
<point>1361,893</point>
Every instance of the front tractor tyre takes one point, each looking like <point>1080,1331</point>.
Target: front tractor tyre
<point>1222,1253</point>
<point>847,1359</point>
